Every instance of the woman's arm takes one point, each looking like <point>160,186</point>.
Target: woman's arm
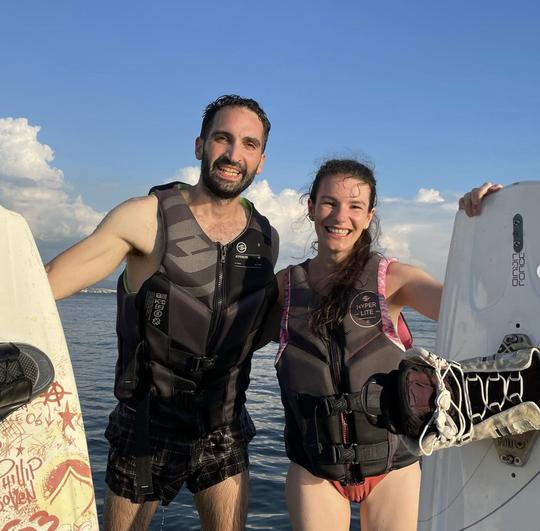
<point>408,285</point>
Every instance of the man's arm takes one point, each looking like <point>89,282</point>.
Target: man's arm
<point>270,327</point>
<point>129,227</point>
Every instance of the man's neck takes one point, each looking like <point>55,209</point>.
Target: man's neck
<point>221,219</point>
<point>200,198</point>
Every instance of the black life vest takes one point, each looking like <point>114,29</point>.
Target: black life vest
<point>187,336</point>
<point>326,429</point>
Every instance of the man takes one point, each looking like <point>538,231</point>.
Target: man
<point>197,286</point>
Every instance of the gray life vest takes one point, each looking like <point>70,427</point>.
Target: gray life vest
<point>187,336</point>
<point>327,431</point>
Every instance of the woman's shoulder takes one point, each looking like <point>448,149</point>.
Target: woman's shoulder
<point>280,275</point>
<point>284,276</point>
<point>398,274</point>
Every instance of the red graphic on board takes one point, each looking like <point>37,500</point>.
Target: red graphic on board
<point>55,393</point>
<point>67,418</point>
<point>9,429</point>
<point>17,479</point>
<point>43,522</point>
<point>72,469</point>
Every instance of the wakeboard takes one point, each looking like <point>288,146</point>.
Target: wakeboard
<point>45,476</point>
<point>490,303</point>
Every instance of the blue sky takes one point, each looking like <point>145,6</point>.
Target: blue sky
<point>438,96</point>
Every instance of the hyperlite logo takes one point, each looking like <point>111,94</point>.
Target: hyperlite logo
<point>156,309</point>
<point>365,310</point>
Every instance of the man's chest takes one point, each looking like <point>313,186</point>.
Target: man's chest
<point>224,231</point>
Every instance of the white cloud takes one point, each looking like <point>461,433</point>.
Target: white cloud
<point>396,244</point>
<point>189,175</point>
<point>429,195</point>
<point>22,158</point>
<point>287,213</point>
<point>30,185</point>
<point>418,231</point>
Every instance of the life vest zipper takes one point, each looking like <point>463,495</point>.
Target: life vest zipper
<point>219,294</point>
<point>337,366</point>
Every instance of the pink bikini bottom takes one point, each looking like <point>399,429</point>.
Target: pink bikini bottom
<point>358,492</point>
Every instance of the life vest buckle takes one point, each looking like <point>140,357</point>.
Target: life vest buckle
<point>199,364</point>
<point>342,454</point>
<point>335,405</point>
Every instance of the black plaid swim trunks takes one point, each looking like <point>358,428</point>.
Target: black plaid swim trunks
<point>200,463</point>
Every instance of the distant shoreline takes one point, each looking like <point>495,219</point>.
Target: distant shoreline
<point>99,291</point>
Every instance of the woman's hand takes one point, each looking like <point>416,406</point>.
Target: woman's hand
<point>471,202</point>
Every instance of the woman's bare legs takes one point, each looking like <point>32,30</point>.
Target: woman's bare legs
<point>314,504</point>
<point>393,504</point>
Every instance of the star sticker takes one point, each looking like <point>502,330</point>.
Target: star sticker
<point>67,418</point>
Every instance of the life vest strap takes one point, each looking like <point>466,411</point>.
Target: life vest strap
<point>143,463</point>
<point>331,405</point>
<point>353,454</point>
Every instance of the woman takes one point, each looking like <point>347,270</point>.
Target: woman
<point>341,322</point>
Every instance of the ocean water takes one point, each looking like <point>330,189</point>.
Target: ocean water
<point>89,321</point>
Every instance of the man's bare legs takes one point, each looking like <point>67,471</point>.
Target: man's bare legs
<point>393,504</point>
<point>122,514</point>
<point>223,507</point>
<point>314,503</point>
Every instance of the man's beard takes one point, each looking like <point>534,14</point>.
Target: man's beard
<point>220,187</point>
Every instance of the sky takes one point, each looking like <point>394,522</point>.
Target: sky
<point>101,100</point>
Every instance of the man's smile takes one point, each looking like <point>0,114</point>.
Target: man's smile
<point>228,171</point>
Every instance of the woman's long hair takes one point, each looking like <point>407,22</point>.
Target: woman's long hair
<point>334,305</point>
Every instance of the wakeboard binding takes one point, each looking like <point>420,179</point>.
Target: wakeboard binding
<point>25,372</point>
<point>434,403</point>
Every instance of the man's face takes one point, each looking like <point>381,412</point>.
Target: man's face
<point>231,155</point>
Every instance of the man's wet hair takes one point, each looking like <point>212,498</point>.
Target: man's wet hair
<point>233,100</point>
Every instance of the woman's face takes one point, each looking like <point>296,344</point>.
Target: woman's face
<point>340,213</point>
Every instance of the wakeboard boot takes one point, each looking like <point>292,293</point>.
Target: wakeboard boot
<point>434,403</point>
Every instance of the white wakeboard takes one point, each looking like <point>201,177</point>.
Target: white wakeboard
<point>491,290</point>
<point>45,477</point>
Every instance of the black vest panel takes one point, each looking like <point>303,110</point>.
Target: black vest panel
<point>326,429</point>
<point>188,335</point>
